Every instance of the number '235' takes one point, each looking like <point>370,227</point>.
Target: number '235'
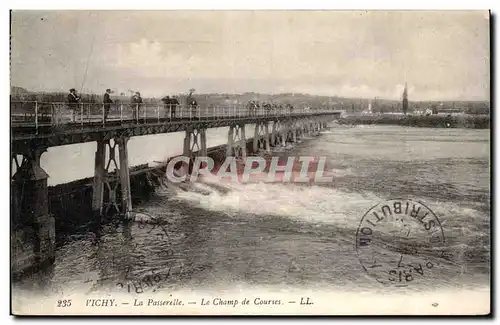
<point>64,303</point>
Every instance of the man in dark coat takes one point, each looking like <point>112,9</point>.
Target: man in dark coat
<point>192,104</point>
<point>107,103</point>
<point>174,103</point>
<point>73,100</point>
<point>136,104</point>
<point>167,104</point>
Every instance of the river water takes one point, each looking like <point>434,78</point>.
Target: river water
<point>216,234</point>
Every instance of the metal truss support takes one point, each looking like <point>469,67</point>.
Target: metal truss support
<point>261,137</point>
<point>279,133</point>
<point>103,183</point>
<point>195,143</point>
<point>236,141</point>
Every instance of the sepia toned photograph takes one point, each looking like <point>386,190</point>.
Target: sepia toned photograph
<point>250,162</point>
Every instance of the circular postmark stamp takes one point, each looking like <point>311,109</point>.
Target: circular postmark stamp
<point>399,241</point>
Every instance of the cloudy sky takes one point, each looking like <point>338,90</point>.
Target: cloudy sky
<point>442,55</point>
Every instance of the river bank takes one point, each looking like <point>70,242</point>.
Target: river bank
<point>437,121</point>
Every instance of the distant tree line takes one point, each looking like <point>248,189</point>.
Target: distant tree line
<point>355,105</point>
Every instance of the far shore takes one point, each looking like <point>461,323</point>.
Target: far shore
<point>438,121</point>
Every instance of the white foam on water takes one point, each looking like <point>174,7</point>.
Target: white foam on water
<point>458,220</point>
<point>315,204</point>
<point>309,203</point>
<point>336,172</point>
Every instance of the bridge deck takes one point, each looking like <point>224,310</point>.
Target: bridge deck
<point>48,130</point>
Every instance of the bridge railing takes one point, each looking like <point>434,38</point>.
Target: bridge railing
<point>36,114</point>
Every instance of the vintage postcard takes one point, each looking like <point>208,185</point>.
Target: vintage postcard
<point>251,162</point>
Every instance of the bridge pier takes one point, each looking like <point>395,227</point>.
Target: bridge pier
<point>294,129</point>
<point>297,128</point>
<point>307,127</point>
<point>279,133</point>
<point>236,141</point>
<point>320,125</point>
<point>124,174</point>
<point>99,178</point>
<point>315,127</point>
<point>261,137</point>
<point>303,128</point>
<point>290,132</point>
<point>195,144</point>
<point>195,140</point>
<point>268,143</point>
<point>31,209</point>
<point>102,182</point>
<point>273,133</point>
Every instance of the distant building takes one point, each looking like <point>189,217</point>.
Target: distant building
<point>368,111</point>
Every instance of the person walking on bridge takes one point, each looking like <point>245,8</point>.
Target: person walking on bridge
<point>107,103</point>
<point>170,106</point>
<point>193,105</point>
<point>136,104</point>
<point>73,101</point>
<point>167,106</point>
<point>174,103</point>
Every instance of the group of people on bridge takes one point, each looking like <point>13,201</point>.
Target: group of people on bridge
<point>171,105</point>
<point>136,103</point>
<point>254,106</point>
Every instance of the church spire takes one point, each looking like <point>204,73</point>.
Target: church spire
<point>405,99</point>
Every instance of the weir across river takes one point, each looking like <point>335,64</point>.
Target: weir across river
<point>37,126</point>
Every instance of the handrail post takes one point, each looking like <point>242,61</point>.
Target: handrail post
<point>53,116</point>
<point>103,115</point>
<point>81,114</point>
<point>121,113</point>
<point>170,112</point>
<point>36,117</point>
